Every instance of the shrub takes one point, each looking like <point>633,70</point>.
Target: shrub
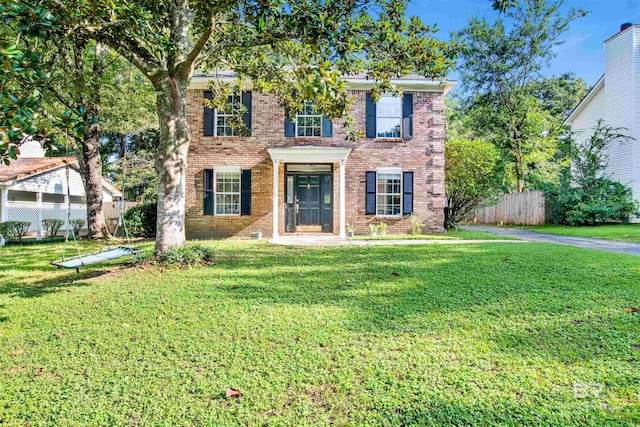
<point>472,177</point>
<point>373,229</point>
<point>51,226</point>
<point>382,228</point>
<point>141,220</point>
<point>589,196</point>
<point>416,226</point>
<point>607,201</point>
<point>188,256</point>
<point>76,225</point>
<point>14,230</point>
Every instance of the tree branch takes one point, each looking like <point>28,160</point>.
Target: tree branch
<point>186,66</point>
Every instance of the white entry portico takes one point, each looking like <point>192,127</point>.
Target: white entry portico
<point>308,154</point>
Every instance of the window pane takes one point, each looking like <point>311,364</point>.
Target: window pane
<point>389,194</point>
<point>228,193</point>
<point>389,106</point>
<point>388,127</point>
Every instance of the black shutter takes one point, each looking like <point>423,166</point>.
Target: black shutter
<point>245,195</point>
<point>208,192</point>
<point>327,128</point>
<point>407,116</point>
<point>371,117</point>
<point>246,117</point>
<point>289,127</point>
<point>208,116</point>
<point>407,193</point>
<point>370,208</point>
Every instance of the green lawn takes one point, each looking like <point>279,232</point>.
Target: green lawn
<point>621,232</point>
<point>459,234</point>
<point>478,334</point>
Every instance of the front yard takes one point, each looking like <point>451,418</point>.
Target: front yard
<point>484,334</point>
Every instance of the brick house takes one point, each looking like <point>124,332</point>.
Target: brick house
<point>322,181</point>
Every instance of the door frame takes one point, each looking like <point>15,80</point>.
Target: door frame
<point>290,217</point>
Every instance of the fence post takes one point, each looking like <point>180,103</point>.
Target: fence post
<point>39,216</point>
<point>4,193</point>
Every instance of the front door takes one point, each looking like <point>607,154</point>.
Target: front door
<point>309,210</point>
<point>308,198</point>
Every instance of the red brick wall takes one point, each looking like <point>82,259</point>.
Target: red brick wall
<point>424,155</point>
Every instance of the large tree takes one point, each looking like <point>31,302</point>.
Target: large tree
<point>85,91</point>
<point>283,47</point>
<point>501,62</point>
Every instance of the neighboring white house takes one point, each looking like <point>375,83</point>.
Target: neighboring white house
<point>615,99</point>
<point>34,187</point>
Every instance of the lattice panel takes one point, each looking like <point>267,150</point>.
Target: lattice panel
<point>28,211</point>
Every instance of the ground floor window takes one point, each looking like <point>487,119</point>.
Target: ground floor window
<point>389,193</point>
<point>228,191</point>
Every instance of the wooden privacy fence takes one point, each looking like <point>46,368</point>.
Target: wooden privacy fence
<point>111,211</point>
<point>526,208</point>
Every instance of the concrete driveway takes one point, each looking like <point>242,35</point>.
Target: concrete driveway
<point>579,242</point>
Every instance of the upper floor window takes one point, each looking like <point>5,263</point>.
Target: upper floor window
<point>389,117</point>
<point>308,123</point>
<point>223,118</point>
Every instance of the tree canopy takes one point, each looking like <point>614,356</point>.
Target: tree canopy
<point>502,64</point>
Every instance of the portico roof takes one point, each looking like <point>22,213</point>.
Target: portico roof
<point>309,153</point>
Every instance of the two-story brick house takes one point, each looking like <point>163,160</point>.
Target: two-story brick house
<point>302,176</point>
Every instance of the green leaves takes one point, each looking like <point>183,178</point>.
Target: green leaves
<point>472,176</point>
<point>506,96</point>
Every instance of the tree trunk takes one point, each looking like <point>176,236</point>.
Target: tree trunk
<point>519,170</point>
<point>171,162</point>
<point>91,172</point>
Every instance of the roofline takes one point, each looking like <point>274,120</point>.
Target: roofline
<point>40,171</point>
<point>621,32</point>
<point>201,81</point>
<point>113,189</point>
<point>72,160</point>
<point>587,98</point>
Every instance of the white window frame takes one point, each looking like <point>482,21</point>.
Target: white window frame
<point>298,116</point>
<point>399,98</point>
<point>389,171</point>
<point>226,115</point>
<point>226,169</point>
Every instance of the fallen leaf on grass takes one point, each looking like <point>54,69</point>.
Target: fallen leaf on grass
<point>632,309</point>
<point>395,273</point>
<point>39,372</point>
<point>232,392</point>
<point>125,325</point>
<point>58,335</point>
<point>17,352</point>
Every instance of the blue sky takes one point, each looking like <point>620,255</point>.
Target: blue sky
<point>583,51</point>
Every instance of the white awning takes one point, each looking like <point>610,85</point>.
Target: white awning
<point>309,154</point>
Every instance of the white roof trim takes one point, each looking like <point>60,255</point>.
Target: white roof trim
<point>353,83</point>
<point>588,97</point>
<point>309,154</point>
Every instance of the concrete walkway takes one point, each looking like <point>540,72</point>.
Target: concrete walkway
<point>579,242</point>
<point>336,241</point>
